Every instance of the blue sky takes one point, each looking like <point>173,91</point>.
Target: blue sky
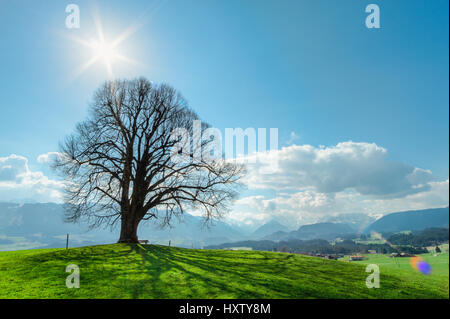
<point>309,67</point>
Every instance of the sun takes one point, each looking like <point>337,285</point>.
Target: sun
<point>104,51</point>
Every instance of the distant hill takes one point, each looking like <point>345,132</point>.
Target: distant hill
<point>357,221</point>
<point>314,231</point>
<point>411,220</point>
<point>269,228</point>
<point>322,231</point>
<point>279,235</point>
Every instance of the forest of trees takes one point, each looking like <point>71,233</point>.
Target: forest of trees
<point>427,237</point>
<point>319,246</point>
<point>412,243</point>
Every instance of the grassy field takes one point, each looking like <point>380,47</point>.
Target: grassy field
<point>439,264</point>
<point>149,271</point>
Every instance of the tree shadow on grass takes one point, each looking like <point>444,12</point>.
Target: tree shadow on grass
<point>150,271</point>
<point>204,278</point>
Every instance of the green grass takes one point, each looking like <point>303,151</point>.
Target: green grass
<point>149,271</point>
<point>439,263</point>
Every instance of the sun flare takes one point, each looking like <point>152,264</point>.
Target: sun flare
<point>104,51</point>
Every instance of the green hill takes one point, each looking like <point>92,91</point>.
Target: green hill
<point>411,220</point>
<point>149,271</point>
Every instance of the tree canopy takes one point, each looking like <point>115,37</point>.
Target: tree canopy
<point>120,162</point>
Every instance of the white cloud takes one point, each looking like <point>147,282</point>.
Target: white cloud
<point>312,183</point>
<point>348,165</point>
<point>18,182</point>
<point>309,206</point>
<point>436,196</point>
<point>48,157</point>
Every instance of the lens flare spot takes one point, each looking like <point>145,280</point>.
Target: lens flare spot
<point>424,267</point>
<point>414,261</point>
<point>420,265</point>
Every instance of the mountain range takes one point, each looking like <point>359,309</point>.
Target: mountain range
<point>26,226</point>
<point>314,231</point>
<point>39,225</point>
<point>268,228</point>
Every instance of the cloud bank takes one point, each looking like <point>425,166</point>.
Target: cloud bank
<point>350,177</point>
<point>19,183</point>
<point>309,184</point>
<point>348,165</point>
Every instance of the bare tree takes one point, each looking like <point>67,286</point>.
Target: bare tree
<point>119,165</point>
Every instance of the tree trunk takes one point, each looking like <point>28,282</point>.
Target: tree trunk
<point>128,230</point>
